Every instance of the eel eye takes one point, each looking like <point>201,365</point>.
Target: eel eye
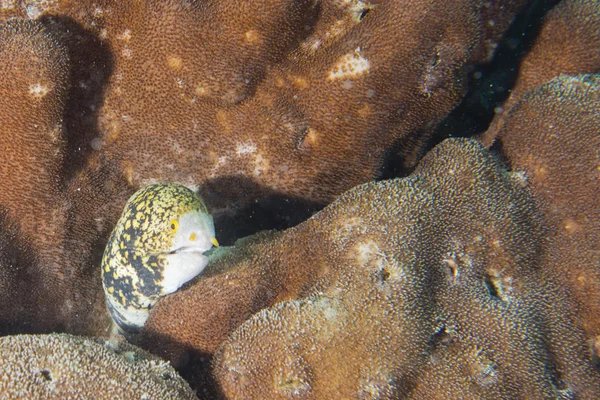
<point>174,225</point>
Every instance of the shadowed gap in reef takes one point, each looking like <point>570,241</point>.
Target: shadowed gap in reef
<point>489,86</point>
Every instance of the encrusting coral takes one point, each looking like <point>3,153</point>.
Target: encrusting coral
<point>60,366</point>
<point>568,43</point>
<point>436,275</point>
<point>289,98</point>
<point>552,135</point>
<point>40,266</point>
<point>455,282</point>
<point>55,220</point>
<point>292,97</point>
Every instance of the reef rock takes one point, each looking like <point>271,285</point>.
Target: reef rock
<point>552,137</point>
<point>299,99</point>
<point>568,43</point>
<point>60,366</point>
<point>294,100</point>
<point>428,286</point>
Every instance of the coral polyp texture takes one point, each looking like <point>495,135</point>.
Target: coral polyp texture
<point>568,43</point>
<point>294,99</point>
<point>426,286</point>
<point>60,366</point>
<point>466,279</point>
<point>298,98</point>
<point>552,135</point>
<point>46,264</point>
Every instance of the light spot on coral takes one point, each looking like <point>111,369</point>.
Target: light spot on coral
<point>520,177</point>
<point>312,137</point>
<point>127,167</point>
<point>7,4</point>
<point>596,346</point>
<point>299,82</point>
<point>200,90</point>
<point>571,226</point>
<point>279,82</point>
<point>376,386</point>
<point>313,45</point>
<point>245,148</point>
<point>483,369</point>
<point>252,36</point>
<point>174,62</point>
<point>126,35</point>
<point>38,90</point>
<point>499,286</point>
<point>355,8</point>
<point>223,120</point>
<point>365,111</point>
<point>127,53</point>
<point>220,162</point>
<point>350,65</point>
<point>32,11</point>
<point>365,251</point>
<point>261,165</point>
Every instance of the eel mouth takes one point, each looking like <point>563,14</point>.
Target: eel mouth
<point>187,249</point>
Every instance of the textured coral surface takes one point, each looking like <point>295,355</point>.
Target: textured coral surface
<point>568,43</point>
<point>475,277</point>
<point>440,274</point>
<point>60,366</point>
<point>553,136</point>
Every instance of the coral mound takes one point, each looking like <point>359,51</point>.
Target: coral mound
<point>568,43</point>
<point>60,366</point>
<point>299,98</point>
<point>552,135</point>
<point>418,287</point>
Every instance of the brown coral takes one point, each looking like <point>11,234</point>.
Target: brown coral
<point>282,98</point>
<point>290,97</point>
<point>60,366</point>
<point>553,137</point>
<point>435,275</point>
<point>568,43</point>
<point>54,219</point>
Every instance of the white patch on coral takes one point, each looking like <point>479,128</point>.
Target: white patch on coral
<point>261,164</point>
<point>221,161</point>
<point>127,53</point>
<point>38,90</point>
<point>245,148</point>
<point>350,65</point>
<point>7,4</point>
<point>32,11</point>
<point>369,255</point>
<point>126,35</point>
<point>365,251</point>
<point>177,148</point>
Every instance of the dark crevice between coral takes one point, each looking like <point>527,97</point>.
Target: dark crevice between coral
<point>195,367</point>
<point>490,83</point>
<point>91,67</point>
<point>489,86</point>
<point>20,278</point>
<point>269,210</point>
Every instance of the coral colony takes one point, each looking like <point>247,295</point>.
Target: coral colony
<point>437,222</point>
